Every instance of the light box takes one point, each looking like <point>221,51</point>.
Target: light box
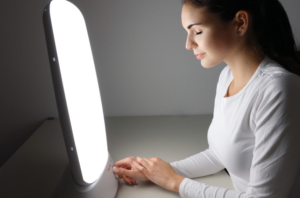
<point>78,100</point>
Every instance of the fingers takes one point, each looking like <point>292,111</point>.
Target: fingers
<point>142,165</point>
<point>122,171</point>
<point>155,159</point>
<point>126,175</point>
<point>145,162</point>
<point>128,180</point>
<point>124,162</point>
<point>130,172</point>
<point>123,168</point>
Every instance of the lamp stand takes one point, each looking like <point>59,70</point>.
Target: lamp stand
<point>106,186</point>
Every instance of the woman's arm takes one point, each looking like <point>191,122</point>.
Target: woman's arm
<point>198,165</point>
<point>276,158</point>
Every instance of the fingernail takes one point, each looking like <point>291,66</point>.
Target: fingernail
<point>116,170</point>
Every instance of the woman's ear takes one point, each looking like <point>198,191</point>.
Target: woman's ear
<point>242,22</point>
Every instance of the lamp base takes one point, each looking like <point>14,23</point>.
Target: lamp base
<point>106,186</point>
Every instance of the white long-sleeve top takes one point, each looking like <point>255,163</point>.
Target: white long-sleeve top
<point>255,135</point>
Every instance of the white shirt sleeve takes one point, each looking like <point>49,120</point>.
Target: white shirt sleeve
<point>275,164</point>
<point>192,189</point>
<point>198,165</point>
<point>276,161</point>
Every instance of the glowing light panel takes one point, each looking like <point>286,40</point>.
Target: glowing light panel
<point>81,88</point>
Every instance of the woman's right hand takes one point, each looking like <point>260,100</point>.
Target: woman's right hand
<point>127,172</point>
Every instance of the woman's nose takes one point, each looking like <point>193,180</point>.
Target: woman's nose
<point>190,44</point>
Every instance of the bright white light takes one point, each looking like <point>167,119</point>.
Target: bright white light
<point>81,87</point>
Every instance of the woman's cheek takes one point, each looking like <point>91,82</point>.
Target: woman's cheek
<point>205,44</point>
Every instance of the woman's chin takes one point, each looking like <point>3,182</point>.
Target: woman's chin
<point>207,65</point>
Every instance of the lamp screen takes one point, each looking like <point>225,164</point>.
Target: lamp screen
<point>81,89</point>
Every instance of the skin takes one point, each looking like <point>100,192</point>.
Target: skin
<point>220,42</point>
<point>127,172</point>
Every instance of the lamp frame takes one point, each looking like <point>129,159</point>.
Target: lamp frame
<point>62,103</point>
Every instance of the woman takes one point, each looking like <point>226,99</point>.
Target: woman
<point>255,131</point>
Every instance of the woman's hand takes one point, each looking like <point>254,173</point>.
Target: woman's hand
<point>127,172</point>
<point>159,172</point>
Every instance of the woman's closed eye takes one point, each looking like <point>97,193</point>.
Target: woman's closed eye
<point>198,33</point>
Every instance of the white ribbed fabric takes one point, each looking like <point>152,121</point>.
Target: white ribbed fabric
<point>255,134</point>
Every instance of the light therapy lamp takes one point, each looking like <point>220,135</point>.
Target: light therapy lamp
<point>89,173</point>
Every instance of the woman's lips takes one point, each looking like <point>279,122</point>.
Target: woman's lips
<point>199,56</point>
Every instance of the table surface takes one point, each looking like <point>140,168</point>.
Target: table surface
<point>37,166</point>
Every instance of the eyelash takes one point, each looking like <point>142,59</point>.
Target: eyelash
<point>198,33</point>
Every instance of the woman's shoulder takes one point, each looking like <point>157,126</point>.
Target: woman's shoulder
<point>277,90</point>
<point>274,77</point>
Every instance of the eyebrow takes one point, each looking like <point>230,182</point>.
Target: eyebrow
<point>189,27</point>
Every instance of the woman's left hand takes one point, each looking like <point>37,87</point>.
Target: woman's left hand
<point>159,172</point>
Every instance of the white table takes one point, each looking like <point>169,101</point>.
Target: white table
<point>36,168</point>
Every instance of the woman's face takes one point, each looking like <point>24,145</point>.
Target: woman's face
<point>211,37</point>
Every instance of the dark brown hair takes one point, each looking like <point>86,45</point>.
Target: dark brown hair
<point>269,26</point>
